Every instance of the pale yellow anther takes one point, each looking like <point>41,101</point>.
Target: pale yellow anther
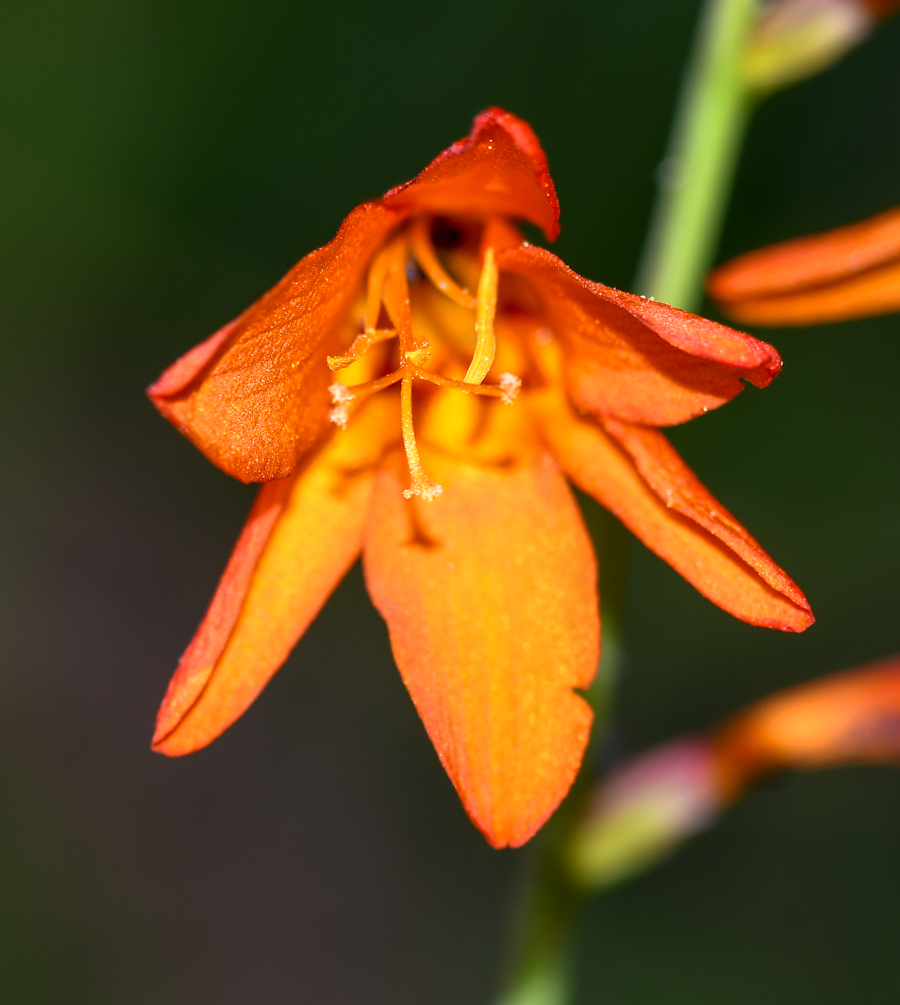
<point>341,396</point>
<point>486,306</point>
<point>361,343</point>
<point>430,264</point>
<point>421,485</point>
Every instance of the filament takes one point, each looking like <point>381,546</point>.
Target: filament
<point>421,486</point>
<point>426,256</point>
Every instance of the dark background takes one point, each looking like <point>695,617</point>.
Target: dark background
<point>163,163</point>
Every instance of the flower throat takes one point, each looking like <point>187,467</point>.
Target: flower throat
<point>388,289</point>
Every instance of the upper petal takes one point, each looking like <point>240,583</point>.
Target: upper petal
<point>254,397</point>
<point>302,535</point>
<point>674,516</point>
<point>490,596</point>
<point>499,168</point>
<point>634,358</point>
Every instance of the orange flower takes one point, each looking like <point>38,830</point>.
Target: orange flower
<point>370,363</point>
<point>850,272</point>
<point>849,718</point>
<point>651,804</point>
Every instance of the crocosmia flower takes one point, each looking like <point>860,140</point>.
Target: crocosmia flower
<point>417,391</point>
<point>849,272</point>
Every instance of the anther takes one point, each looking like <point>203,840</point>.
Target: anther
<point>361,343</point>
<point>485,308</point>
<point>509,385</point>
<point>341,396</point>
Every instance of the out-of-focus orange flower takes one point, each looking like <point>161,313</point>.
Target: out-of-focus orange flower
<point>849,718</point>
<point>651,804</point>
<point>882,8</point>
<point>850,272</point>
<point>372,363</point>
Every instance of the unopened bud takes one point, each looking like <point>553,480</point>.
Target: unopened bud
<point>644,810</point>
<point>796,39</point>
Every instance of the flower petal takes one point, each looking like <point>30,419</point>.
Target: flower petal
<point>302,535</point>
<point>848,272</point>
<point>499,168</point>
<point>489,593</point>
<point>659,464</point>
<point>809,261</point>
<point>674,516</point>
<point>254,397</point>
<point>634,358</point>
<point>876,291</point>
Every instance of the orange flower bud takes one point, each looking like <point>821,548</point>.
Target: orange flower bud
<point>850,272</point>
<point>645,809</point>
<point>799,38</point>
<point>849,718</point>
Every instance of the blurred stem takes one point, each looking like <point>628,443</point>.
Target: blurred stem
<point>696,176</point>
<point>694,187</point>
<point>550,902</point>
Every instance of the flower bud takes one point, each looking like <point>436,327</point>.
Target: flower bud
<point>644,810</point>
<point>795,39</point>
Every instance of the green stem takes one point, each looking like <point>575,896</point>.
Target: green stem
<point>696,176</point>
<point>709,127</point>
<point>542,971</point>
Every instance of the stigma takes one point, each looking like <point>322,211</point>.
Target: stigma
<point>411,252</point>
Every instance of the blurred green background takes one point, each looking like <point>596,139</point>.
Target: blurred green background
<point>161,164</point>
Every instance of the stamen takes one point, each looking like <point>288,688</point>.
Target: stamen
<point>486,343</point>
<point>426,256</point>
<point>421,486</point>
<point>341,396</point>
<point>509,387</point>
<point>344,398</point>
<point>361,343</point>
<point>375,289</point>
<point>506,390</point>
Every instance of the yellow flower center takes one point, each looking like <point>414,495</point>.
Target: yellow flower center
<point>388,293</point>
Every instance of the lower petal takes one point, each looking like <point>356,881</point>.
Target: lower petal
<point>490,596</point>
<point>292,554</point>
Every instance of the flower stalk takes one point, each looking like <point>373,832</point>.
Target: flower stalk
<point>694,186</point>
<point>696,176</point>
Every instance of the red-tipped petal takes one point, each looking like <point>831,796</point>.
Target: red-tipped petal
<point>661,467</point>
<point>499,168</point>
<point>725,566</point>
<point>489,593</point>
<point>254,397</point>
<point>302,536</point>
<point>636,359</point>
